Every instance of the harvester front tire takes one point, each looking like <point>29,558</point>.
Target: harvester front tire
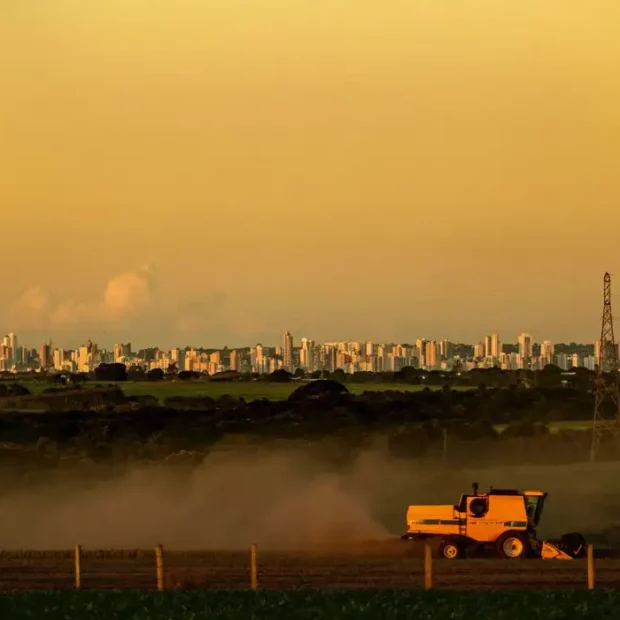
<point>450,550</point>
<point>513,546</point>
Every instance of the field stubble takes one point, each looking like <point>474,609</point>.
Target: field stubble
<point>387,566</point>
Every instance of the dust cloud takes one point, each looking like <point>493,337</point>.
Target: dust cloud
<point>279,497</point>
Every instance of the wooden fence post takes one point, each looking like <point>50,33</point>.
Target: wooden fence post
<point>253,568</point>
<point>445,445</point>
<point>78,567</point>
<point>428,567</point>
<point>590,567</point>
<point>159,564</point>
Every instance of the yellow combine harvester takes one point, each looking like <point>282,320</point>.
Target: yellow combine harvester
<point>503,520</point>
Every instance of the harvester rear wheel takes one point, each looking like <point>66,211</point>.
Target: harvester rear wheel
<point>451,550</point>
<point>512,546</point>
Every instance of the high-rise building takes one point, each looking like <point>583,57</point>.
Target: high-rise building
<point>420,344</point>
<point>260,361</point>
<point>287,352</point>
<point>235,361</point>
<point>58,359</point>
<point>492,346</point>
<point>488,346</point>
<point>496,346</point>
<point>546,354</point>
<point>446,349</point>
<point>525,347</point>
<point>83,361</point>
<point>330,358</point>
<point>14,355</point>
<point>5,353</point>
<point>306,354</point>
<point>177,356</point>
<point>561,360</point>
<point>431,355</point>
<point>45,355</point>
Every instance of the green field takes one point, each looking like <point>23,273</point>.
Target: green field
<point>249,390</point>
<point>310,605</point>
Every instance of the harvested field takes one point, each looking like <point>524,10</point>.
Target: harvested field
<point>104,570</point>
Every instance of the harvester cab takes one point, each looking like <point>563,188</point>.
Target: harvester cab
<point>503,520</point>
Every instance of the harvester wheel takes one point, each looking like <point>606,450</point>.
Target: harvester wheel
<point>512,546</point>
<point>450,550</point>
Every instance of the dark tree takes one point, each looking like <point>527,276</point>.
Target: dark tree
<point>318,390</point>
<point>280,376</point>
<point>338,375</point>
<point>155,374</point>
<point>136,373</point>
<point>187,375</point>
<point>111,372</point>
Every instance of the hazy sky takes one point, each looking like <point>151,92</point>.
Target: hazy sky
<point>213,172</point>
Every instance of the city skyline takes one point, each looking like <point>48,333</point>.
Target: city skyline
<point>307,355</point>
<point>211,172</point>
<point>490,343</point>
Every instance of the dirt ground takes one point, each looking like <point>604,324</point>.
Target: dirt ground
<point>387,565</point>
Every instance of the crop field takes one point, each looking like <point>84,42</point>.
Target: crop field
<point>314,605</point>
<point>287,571</point>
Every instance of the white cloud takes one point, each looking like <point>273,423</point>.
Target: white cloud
<point>125,297</point>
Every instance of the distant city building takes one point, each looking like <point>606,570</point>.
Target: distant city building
<point>496,347</point>
<point>546,354</point>
<point>45,355</point>
<point>525,348</point>
<point>488,349</point>
<point>287,352</point>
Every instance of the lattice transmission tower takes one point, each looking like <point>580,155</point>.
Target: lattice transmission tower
<point>607,401</point>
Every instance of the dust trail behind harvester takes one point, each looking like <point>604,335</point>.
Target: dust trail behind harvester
<point>280,498</point>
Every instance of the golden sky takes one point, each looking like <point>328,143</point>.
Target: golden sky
<point>217,171</point>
